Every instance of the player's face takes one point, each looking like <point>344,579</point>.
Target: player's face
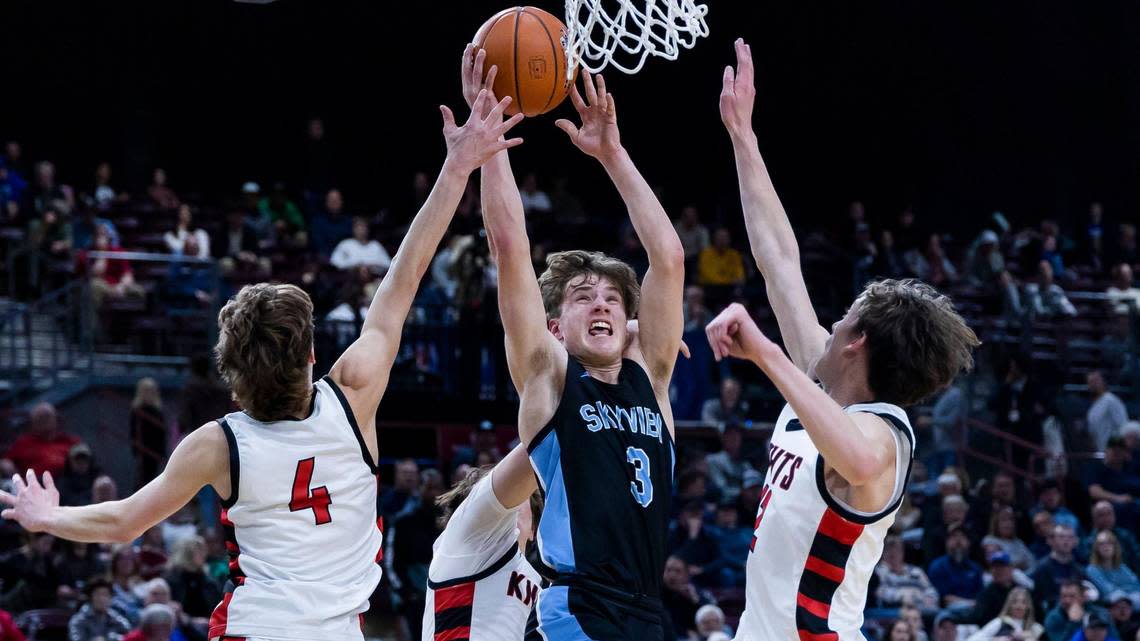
<point>831,364</point>
<point>592,324</point>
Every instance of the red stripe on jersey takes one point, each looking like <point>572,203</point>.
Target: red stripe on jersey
<point>825,569</point>
<point>809,636</point>
<point>380,552</point>
<point>454,597</point>
<point>225,519</point>
<point>231,547</point>
<point>220,616</point>
<point>454,633</point>
<point>817,608</point>
<point>839,528</point>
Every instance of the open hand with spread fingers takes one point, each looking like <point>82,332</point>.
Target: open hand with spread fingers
<point>481,137</point>
<point>738,93</point>
<point>32,504</point>
<point>598,135</point>
<point>734,333</point>
<point>473,78</point>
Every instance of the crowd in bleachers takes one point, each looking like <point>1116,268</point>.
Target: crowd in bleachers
<point>1041,549</point>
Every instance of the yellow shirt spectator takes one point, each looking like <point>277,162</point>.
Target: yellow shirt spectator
<point>719,263</point>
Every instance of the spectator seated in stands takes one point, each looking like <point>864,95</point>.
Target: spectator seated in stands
<point>535,201</point>
<point>330,225</point>
<point>96,620</point>
<point>955,514</point>
<point>1065,620</point>
<point>46,192</point>
<point>9,631</point>
<point>1123,615</point>
<point>12,188</point>
<point>957,578</point>
<point>1044,298</point>
<point>1104,520</point>
<point>930,263</point>
<point>1051,500</point>
<point>50,234</point>
<point>110,278</point>
<point>188,284</point>
<point>1096,627</point>
<point>238,247</point>
<point>160,193</point>
<point>158,622</point>
<point>710,620</point>
<point>401,497</point>
<point>1003,536</point>
<point>1124,296</point>
<point>693,234</point>
<point>945,628</point>
<point>690,540</point>
<point>992,598</point>
<point>720,269</point>
<point>726,408</point>
<point>1107,413</point>
<point>901,583</point>
<point>696,315</point>
<point>1125,249</point>
<point>681,599</point>
<point>734,542</point>
<point>148,430</point>
<point>125,577</point>
<point>985,269</point>
<point>42,447</point>
<point>103,194</point>
<point>76,564</point>
<point>728,466</point>
<point>84,230</point>
<point>176,240</point>
<point>29,578</point>
<point>410,542</point>
<point>76,481</point>
<point>1016,620</point>
<point>1056,568</point>
<point>189,584</point>
<point>282,216</point>
<point>483,439</point>
<point>360,250</point>
<point>901,630</point>
<point>1113,480</point>
<point>1107,571</point>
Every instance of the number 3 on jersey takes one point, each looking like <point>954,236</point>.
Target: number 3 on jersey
<point>642,484</point>
<point>316,499</point>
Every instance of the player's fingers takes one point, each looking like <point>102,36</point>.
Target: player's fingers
<point>509,124</point>
<point>496,115</point>
<point>576,100</point>
<point>591,92</point>
<point>600,81</point>
<point>448,117</point>
<point>744,61</point>
<point>49,482</point>
<point>685,350</point>
<point>568,127</point>
<point>477,69</point>
<point>480,104</point>
<point>18,483</point>
<point>8,514</point>
<point>33,482</point>
<point>611,106</point>
<point>7,498</point>
<point>729,81</point>
<point>507,144</point>
<point>491,74</point>
<point>467,57</point>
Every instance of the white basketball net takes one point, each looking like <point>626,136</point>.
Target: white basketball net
<point>595,34</point>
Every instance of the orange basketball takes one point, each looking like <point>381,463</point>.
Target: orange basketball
<point>526,44</point>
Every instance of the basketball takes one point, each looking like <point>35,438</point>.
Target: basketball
<point>526,44</point>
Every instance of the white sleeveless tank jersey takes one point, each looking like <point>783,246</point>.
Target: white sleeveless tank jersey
<point>812,556</point>
<point>480,588</point>
<point>300,525</point>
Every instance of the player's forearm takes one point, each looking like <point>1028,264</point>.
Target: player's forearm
<point>832,430</point>
<point>503,213</point>
<point>769,231</point>
<point>393,298</point>
<point>97,523</point>
<point>649,219</point>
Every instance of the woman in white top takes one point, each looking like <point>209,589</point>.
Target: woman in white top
<point>176,240</point>
<point>1015,623</point>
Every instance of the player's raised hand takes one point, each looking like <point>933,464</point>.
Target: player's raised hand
<point>734,333</point>
<point>598,135</point>
<point>472,76</point>
<point>32,504</point>
<point>738,92</point>
<point>481,137</point>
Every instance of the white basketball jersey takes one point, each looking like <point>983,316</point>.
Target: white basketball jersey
<point>480,588</point>
<point>812,556</point>
<point>300,525</point>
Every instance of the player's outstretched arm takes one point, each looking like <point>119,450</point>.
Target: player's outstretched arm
<point>663,287</point>
<point>860,446</point>
<point>362,371</point>
<point>769,232</point>
<point>533,354</point>
<point>202,458</point>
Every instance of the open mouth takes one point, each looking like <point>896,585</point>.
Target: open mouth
<point>600,328</point>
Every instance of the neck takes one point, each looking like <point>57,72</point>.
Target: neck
<point>850,390</point>
<point>604,373</point>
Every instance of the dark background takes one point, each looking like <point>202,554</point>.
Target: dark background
<point>959,108</point>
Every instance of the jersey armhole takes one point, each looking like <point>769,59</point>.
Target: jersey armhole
<point>867,518</point>
<point>352,423</point>
<point>512,552</point>
<point>541,434</point>
<point>235,464</point>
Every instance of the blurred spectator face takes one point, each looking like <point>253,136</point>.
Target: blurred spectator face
<point>460,473</point>
<point>316,129</point>
<point>954,510</point>
<point>727,517</point>
<point>934,245</point>
<point>729,393</point>
<point>710,620</point>
<point>1096,384</point>
<point>1004,490</point>
<point>157,592</point>
<point>44,422</point>
<point>694,297</point>
<point>1096,212</point>
<point>407,476</point>
<point>103,173</point>
<point>45,174</point>
<point>1006,525</point>
<point>1019,605</point>
<point>912,617</point>
<point>484,458</point>
<point>124,562</point>
<point>80,462</point>
<point>1002,573</point>
<point>334,201</point>
<point>159,177</point>
<point>360,229</point>
<point>1062,541</point>
<point>185,216</point>
<point>694,488</point>
<point>893,555</point>
<point>731,441</point>
<point>102,238</point>
<point>690,216</point>
<point>1103,516</point>
<point>1121,611</point>
<point>1070,594</point>
<point>1044,273</point>
<point>1050,499</point>
<point>1098,633</point>
<point>676,574</point>
<point>485,440</point>
<point>721,239</point>
<point>856,212</point>
<point>957,545</point>
<point>1105,545</point>
<point>1127,236</point>
<point>101,599</point>
<point>104,489</point>
<point>949,485</point>
<point>42,544</point>
<point>1043,524</point>
<point>13,151</point>
<point>420,182</point>
<point>946,630</point>
<point>1122,276</point>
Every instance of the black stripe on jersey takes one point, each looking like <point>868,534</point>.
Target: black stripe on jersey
<point>457,617</point>
<point>845,512</point>
<point>352,422</point>
<point>235,464</point>
<point>817,587</point>
<point>511,554</point>
<point>805,620</point>
<point>794,425</point>
<point>829,550</point>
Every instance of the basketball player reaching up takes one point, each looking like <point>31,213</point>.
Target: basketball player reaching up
<point>297,465</point>
<point>594,407</point>
<point>840,455</point>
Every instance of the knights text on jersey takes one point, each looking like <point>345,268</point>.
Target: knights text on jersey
<point>605,464</point>
<point>300,525</point>
<point>812,556</point>
<point>480,588</point>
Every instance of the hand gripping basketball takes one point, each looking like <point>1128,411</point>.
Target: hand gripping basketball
<point>32,504</point>
<point>480,138</point>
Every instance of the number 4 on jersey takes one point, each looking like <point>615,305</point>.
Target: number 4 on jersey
<point>317,499</point>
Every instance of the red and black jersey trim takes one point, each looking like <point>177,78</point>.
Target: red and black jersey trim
<point>823,573</point>
<point>452,615</point>
<point>237,576</point>
<point>352,423</point>
<point>846,512</point>
<point>235,464</point>
<point>512,554</point>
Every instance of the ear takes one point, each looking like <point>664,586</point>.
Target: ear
<point>554,328</point>
<point>313,355</point>
<point>855,346</point>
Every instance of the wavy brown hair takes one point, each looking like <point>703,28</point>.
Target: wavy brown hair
<point>265,338</point>
<point>917,342</point>
<point>563,267</point>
